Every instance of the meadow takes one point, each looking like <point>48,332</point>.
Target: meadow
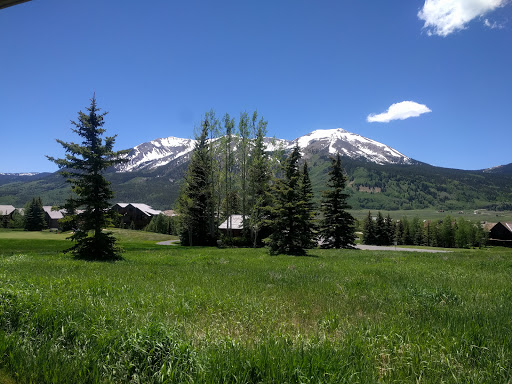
<point>206,315</point>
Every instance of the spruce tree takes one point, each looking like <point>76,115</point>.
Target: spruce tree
<point>369,237</point>
<point>390,230</point>
<point>307,210</point>
<point>380,230</point>
<point>337,228</point>
<point>196,204</point>
<point>34,215</point>
<point>259,186</point>
<point>285,214</point>
<point>83,167</point>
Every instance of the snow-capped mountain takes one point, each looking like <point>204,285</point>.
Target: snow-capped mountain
<point>153,154</point>
<point>349,144</point>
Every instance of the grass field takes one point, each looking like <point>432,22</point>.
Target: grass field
<point>177,314</point>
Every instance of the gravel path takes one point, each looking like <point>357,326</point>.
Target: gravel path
<point>168,242</point>
<point>382,248</point>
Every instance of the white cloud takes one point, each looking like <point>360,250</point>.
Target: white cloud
<point>443,17</point>
<point>399,111</point>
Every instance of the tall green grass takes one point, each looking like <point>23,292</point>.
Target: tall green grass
<point>176,314</point>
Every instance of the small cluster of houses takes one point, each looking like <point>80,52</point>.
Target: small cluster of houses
<point>131,215</point>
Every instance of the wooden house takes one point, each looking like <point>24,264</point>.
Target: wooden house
<point>233,222</point>
<point>501,234</point>
<point>6,212</point>
<point>53,216</point>
<point>135,215</point>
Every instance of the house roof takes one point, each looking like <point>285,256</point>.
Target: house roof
<point>236,222</point>
<point>507,225</point>
<point>488,226</point>
<point>144,208</point>
<point>56,215</point>
<point>170,213</point>
<point>9,3</point>
<point>6,209</point>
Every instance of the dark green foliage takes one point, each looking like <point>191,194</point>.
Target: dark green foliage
<point>17,220</point>
<point>259,185</point>
<point>84,168</point>
<point>288,213</point>
<point>447,233</point>
<point>337,229</point>
<point>162,224</point>
<point>196,204</point>
<point>369,232</point>
<point>34,215</point>
<point>307,211</point>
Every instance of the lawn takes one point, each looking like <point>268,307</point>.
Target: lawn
<point>178,314</point>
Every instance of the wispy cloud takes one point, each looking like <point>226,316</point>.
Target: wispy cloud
<point>399,111</point>
<point>443,17</point>
<point>492,24</point>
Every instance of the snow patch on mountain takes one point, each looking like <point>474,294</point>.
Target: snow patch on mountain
<point>155,153</point>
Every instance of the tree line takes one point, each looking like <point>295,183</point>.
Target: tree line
<point>446,232</point>
<point>231,172</point>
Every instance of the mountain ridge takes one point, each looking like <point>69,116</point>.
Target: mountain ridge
<point>155,153</point>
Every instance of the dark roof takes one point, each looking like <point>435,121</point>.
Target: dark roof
<point>10,3</point>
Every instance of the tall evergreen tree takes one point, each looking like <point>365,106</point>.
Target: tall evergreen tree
<point>83,167</point>
<point>390,230</point>
<point>307,210</point>
<point>259,185</point>
<point>229,206</point>
<point>369,236</point>
<point>380,230</point>
<point>196,203</point>
<point>337,229</point>
<point>34,215</point>
<point>285,214</point>
<point>244,148</point>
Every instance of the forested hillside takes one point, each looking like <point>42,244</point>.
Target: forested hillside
<point>371,186</point>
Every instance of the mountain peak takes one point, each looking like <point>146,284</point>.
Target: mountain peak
<point>350,144</point>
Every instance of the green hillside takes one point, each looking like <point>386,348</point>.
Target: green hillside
<point>372,186</point>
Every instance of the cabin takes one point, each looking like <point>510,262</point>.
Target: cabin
<point>135,215</point>
<point>501,234</point>
<point>52,217</point>
<point>6,212</point>
<point>233,222</point>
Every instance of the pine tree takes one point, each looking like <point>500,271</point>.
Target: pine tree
<point>380,230</point>
<point>390,230</point>
<point>307,210</point>
<point>244,148</point>
<point>84,166</point>
<point>259,185</point>
<point>337,228</point>
<point>34,215</point>
<point>196,204</point>
<point>230,205</point>
<point>369,237</point>
<point>285,213</point>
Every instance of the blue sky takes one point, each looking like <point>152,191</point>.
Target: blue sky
<point>157,66</point>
